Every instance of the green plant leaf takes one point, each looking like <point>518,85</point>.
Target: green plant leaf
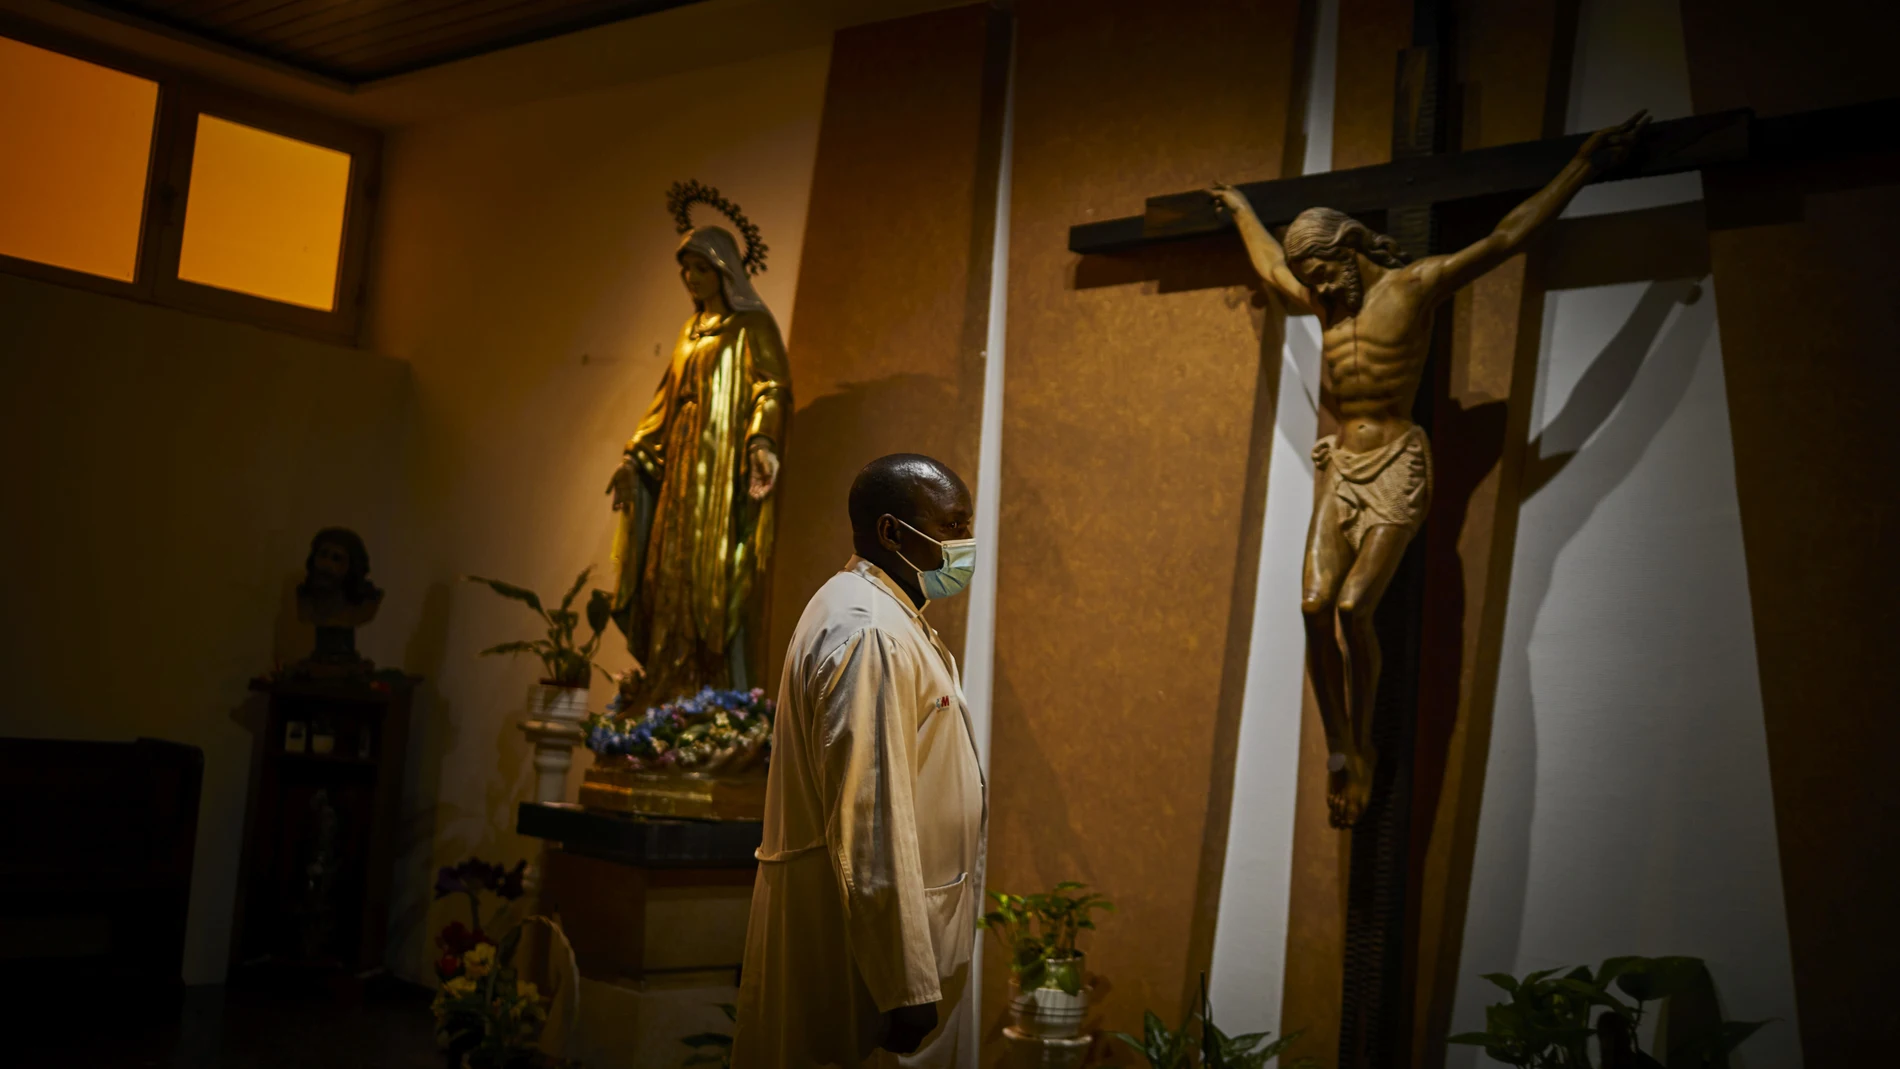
<point>1503,980</point>
<point>574,591</point>
<point>600,608</point>
<point>1649,979</point>
<point>509,590</point>
<point>1030,976</point>
<point>1068,977</point>
<point>1735,1033</point>
<point>509,648</point>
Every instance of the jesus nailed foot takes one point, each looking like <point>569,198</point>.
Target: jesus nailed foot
<point>1348,787</point>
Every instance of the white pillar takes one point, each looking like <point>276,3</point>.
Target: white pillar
<point>554,726</point>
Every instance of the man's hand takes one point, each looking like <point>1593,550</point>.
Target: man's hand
<point>906,1027</point>
<point>1608,147</point>
<point>762,464</point>
<point>622,482</point>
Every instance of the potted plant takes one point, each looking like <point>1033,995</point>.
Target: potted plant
<point>1547,1023</point>
<point>568,665</point>
<point>1177,1048</point>
<point>1047,996</point>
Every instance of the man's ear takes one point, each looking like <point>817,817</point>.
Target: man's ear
<point>887,532</point>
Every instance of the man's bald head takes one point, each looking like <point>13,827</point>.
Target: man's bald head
<point>903,508</point>
<point>904,485</point>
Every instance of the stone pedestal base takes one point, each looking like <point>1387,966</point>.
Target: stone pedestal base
<point>554,727</point>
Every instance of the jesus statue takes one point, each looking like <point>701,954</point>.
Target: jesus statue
<point>1374,475</point>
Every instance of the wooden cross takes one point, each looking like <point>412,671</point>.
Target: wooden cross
<point>1405,198</point>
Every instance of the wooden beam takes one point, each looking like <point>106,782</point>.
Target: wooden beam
<point>1691,144</point>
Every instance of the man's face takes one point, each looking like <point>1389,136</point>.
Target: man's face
<point>944,513</point>
<point>1336,282</point>
<point>332,563</point>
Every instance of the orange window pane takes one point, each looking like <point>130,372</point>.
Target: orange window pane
<point>264,214</point>
<point>75,143</point>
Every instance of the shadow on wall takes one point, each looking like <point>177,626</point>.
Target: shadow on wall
<point>1215,262</point>
<point>431,738</point>
<point>814,529</point>
<point>1619,425</point>
<point>1667,242</point>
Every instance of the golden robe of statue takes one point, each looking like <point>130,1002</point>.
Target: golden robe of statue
<point>695,490</point>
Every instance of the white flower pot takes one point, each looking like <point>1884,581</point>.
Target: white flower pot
<point>554,726</point>
<point>568,704</point>
<point>1050,1012</point>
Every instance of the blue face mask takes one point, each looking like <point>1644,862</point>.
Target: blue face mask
<point>948,579</point>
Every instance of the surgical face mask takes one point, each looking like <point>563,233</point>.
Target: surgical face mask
<point>948,579</point>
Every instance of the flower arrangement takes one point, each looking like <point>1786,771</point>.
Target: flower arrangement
<point>488,1013</point>
<point>473,878</point>
<point>484,1012</point>
<point>713,731</point>
<point>567,661</point>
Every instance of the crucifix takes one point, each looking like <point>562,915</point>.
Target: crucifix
<point>1404,198</point>
<point>1377,311</point>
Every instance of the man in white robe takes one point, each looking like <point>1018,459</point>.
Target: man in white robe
<point>864,910</point>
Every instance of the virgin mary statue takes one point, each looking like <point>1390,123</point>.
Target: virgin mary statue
<point>694,491</point>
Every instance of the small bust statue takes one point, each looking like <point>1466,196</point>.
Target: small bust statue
<point>336,596</point>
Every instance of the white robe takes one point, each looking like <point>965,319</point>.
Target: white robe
<point>869,876</point>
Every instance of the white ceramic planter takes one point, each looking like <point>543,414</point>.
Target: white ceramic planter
<point>554,726</point>
<point>1050,1012</point>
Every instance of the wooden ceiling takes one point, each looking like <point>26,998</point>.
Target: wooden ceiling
<point>358,41</point>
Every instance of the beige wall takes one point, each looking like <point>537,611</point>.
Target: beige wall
<point>1131,489</point>
<point>1800,257</point>
<point>165,472</point>
<point>893,287</point>
<point>526,274</point>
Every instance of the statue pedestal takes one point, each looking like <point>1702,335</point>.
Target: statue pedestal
<point>611,785</point>
<point>554,726</point>
<point>640,895</point>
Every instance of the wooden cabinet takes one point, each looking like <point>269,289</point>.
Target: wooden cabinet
<point>320,832</point>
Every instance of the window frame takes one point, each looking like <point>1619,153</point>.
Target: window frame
<point>181,99</point>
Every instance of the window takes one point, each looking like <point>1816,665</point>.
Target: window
<point>75,154</point>
<point>135,181</point>
<point>264,214</point>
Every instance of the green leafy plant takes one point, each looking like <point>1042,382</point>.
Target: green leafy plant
<point>712,1048</point>
<point>1176,1048</point>
<point>567,663</point>
<point>1547,1022</point>
<point>1040,932</point>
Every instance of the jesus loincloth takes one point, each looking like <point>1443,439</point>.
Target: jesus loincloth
<point>1390,485</point>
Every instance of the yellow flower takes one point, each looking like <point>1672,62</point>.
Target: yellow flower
<point>526,990</point>
<point>479,960</point>
<point>461,985</point>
